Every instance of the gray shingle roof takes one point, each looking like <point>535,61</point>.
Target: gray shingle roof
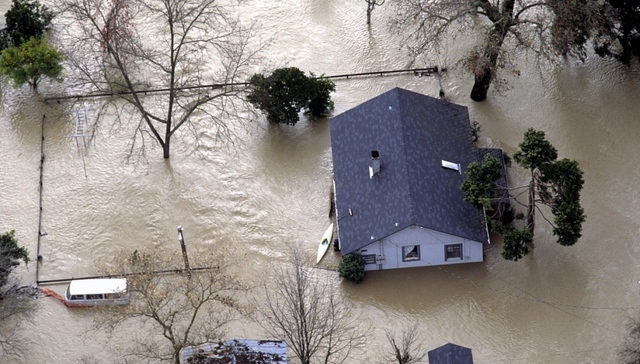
<point>450,354</point>
<point>413,134</point>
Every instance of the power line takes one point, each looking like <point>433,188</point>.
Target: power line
<point>531,297</point>
<point>534,298</point>
<point>548,355</point>
<point>427,71</point>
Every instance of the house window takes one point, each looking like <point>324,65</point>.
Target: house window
<point>410,253</point>
<point>453,251</point>
<point>369,258</point>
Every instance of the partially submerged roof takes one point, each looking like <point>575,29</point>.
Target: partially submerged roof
<point>419,140</point>
<point>98,286</point>
<point>450,354</point>
<point>239,351</point>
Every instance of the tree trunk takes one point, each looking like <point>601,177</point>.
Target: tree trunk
<point>481,86</point>
<point>531,208</point>
<point>501,18</point>
<point>165,149</point>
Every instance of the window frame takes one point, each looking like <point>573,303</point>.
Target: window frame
<point>446,252</point>
<point>369,258</point>
<point>413,258</point>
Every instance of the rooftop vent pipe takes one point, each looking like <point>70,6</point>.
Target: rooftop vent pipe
<point>374,166</point>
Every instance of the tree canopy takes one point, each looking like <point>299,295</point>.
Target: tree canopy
<point>309,313</point>
<point>30,62</point>
<point>546,29</point>
<point>180,309</point>
<point>620,35</point>
<point>554,183</point>
<point>10,256</point>
<point>16,301</point>
<point>286,91</point>
<point>25,19</point>
<point>127,47</point>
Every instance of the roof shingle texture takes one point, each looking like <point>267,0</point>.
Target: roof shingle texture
<point>413,134</point>
<point>450,354</point>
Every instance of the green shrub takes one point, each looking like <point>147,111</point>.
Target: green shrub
<point>320,105</point>
<point>286,91</point>
<point>352,267</point>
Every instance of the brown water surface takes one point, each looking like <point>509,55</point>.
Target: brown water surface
<point>558,305</point>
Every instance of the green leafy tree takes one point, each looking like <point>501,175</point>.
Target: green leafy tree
<point>10,256</point>
<point>25,19</point>
<point>554,183</point>
<point>30,62</point>
<point>480,182</point>
<point>516,243</point>
<point>281,95</point>
<point>320,104</point>
<point>286,91</point>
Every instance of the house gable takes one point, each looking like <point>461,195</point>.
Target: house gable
<point>450,354</point>
<point>412,134</point>
<point>427,247</point>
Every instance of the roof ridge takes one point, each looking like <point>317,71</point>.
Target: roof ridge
<point>403,140</point>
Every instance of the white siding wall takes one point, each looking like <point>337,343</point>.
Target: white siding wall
<point>432,249</point>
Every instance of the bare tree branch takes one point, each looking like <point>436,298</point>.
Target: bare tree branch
<point>177,310</point>
<point>408,350</point>
<point>308,312</point>
<point>126,46</point>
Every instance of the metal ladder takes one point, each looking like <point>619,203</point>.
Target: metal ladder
<point>81,122</point>
<point>81,132</point>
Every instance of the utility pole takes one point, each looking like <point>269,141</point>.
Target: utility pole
<point>184,251</point>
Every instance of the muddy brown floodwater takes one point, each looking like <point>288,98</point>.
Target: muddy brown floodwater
<point>558,305</point>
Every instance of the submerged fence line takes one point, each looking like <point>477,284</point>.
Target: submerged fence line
<point>166,271</point>
<point>427,71</point>
<point>419,72</point>
<point>40,187</point>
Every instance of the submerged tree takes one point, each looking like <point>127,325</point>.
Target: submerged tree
<point>128,47</point>
<point>554,183</point>
<point>308,312</point>
<point>545,28</point>
<point>179,310</point>
<point>30,62</point>
<point>620,35</point>
<point>10,256</point>
<point>629,353</point>
<point>16,303</point>
<point>408,349</point>
<point>25,19</point>
<point>286,91</point>
<point>371,4</point>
